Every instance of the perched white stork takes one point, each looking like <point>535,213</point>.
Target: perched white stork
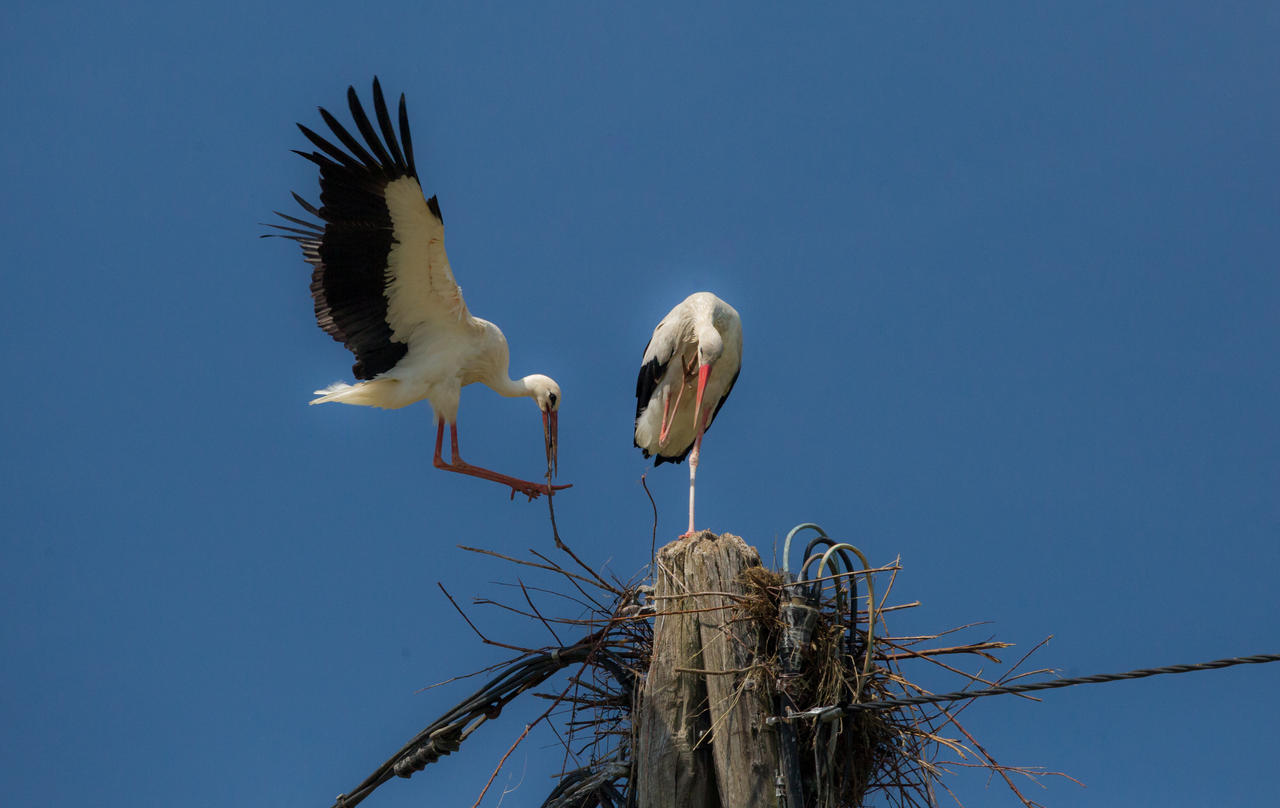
<point>688,370</point>
<point>383,287</point>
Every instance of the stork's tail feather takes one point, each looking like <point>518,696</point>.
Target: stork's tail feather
<point>373,393</point>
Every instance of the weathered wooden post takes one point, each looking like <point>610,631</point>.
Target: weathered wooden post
<point>701,737</point>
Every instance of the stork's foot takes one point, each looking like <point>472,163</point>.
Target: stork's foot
<point>530,489</point>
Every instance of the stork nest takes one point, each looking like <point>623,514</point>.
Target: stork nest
<point>897,756</point>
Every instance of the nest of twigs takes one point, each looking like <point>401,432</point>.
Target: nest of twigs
<point>897,756</point>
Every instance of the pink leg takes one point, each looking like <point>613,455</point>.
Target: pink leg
<point>669,411</point>
<point>530,489</point>
<point>702,418</point>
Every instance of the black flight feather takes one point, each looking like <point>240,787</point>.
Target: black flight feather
<point>366,129</point>
<point>405,140</point>
<point>338,156</point>
<point>384,123</point>
<point>350,142</point>
<point>349,247</point>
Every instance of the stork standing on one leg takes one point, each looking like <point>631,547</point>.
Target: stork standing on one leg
<point>688,370</point>
<point>383,287</point>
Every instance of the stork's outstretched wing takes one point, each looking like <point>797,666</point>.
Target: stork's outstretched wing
<point>380,268</point>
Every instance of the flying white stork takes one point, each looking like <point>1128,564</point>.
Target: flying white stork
<point>688,370</point>
<point>383,287</point>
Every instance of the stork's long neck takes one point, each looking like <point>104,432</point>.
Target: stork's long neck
<point>511,388</point>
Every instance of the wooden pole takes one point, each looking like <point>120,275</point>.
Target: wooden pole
<point>701,740</point>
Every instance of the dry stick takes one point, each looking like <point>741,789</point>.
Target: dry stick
<point>1025,771</point>
<point>603,584</point>
<point>553,593</point>
<point>970,676</point>
<point>735,596</point>
<point>724,672</point>
<point>977,648</point>
<point>564,621</point>
<point>578,680</point>
<point>480,634</point>
<point>460,677</point>
<point>653,542</point>
<point>571,700</point>
<point>835,576</point>
<point>548,567</point>
<point>897,608</point>
<point>1000,770</point>
<point>551,508</point>
<point>570,577</point>
<point>920,637</point>
<point>1009,673</point>
<point>574,681</point>
<point>538,614</point>
<point>524,734</point>
<point>568,751</point>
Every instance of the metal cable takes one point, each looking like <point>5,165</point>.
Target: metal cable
<point>833,711</point>
<point>786,547</point>
<point>445,734</point>
<point>871,609</point>
<point>589,786</point>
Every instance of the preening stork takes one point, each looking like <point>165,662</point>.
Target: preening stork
<point>688,370</point>
<point>383,287</point>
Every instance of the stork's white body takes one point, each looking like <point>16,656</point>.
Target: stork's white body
<point>687,372</point>
<point>438,364</point>
<point>383,286</point>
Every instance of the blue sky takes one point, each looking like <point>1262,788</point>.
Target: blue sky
<point>1008,277</point>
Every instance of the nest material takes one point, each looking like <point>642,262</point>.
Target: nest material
<point>856,753</point>
<point>895,756</point>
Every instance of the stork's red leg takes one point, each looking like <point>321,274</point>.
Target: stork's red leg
<point>530,489</point>
<point>438,460</point>
<point>701,421</point>
<point>669,411</point>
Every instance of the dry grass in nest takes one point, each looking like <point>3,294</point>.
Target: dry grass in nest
<point>896,756</point>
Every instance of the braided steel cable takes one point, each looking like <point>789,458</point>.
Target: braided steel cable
<point>446,734</point>
<point>589,787</point>
<point>834,711</point>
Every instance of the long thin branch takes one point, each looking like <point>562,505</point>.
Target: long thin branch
<point>478,632</point>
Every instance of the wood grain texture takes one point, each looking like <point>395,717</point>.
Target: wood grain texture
<point>701,741</point>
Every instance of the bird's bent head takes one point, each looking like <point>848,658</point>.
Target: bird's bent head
<point>546,393</point>
<point>544,390</point>
<point>710,345</point>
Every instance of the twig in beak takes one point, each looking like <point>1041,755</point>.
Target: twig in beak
<point>550,430</point>
<point>550,434</point>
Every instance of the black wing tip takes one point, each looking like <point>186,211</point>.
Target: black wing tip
<point>434,207</point>
<point>389,153</point>
<point>388,129</point>
<point>406,141</point>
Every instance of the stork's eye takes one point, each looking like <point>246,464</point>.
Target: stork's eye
<point>551,399</point>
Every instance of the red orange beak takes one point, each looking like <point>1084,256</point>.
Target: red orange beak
<point>703,373</point>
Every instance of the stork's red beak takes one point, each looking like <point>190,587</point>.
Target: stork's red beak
<point>703,372</point>
<point>550,431</point>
